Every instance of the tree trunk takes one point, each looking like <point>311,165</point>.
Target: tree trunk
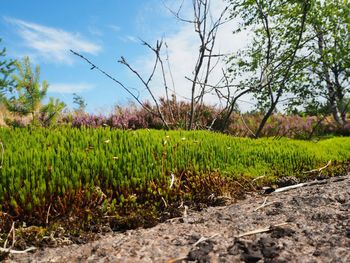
<point>332,93</point>
<point>332,99</point>
<point>265,118</point>
<point>231,109</point>
<point>337,114</point>
<point>340,95</point>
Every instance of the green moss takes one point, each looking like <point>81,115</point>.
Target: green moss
<point>115,172</point>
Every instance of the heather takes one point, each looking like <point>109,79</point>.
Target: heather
<point>209,118</point>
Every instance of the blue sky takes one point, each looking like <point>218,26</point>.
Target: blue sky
<point>103,31</point>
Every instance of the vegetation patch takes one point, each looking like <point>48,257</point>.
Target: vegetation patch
<point>89,180</point>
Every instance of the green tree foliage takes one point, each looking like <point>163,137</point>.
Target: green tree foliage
<point>6,69</point>
<point>28,94</point>
<point>270,66</point>
<point>28,90</point>
<point>299,54</point>
<point>50,112</point>
<point>329,62</point>
<point>80,102</point>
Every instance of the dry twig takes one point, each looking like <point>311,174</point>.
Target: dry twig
<point>202,239</point>
<point>315,182</point>
<point>319,169</point>
<point>260,230</point>
<point>12,230</point>
<point>9,249</point>
<point>172,181</point>
<point>165,203</point>
<point>264,204</point>
<point>176,260</point>
<point>185,211</point>
<point>12,251</point>
<point>287,188</point>
<point>47,215</point>
<point>258,178</point>
<point>261,206</point>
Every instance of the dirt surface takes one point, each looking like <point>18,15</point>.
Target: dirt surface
<point>307,224</point>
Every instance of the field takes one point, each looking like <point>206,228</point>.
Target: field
<point>138,177</point>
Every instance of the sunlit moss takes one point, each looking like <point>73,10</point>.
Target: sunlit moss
<point>65,169</point>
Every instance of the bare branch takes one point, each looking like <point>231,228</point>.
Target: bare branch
<point>146,83</point>
<point>93,66</point>
<point>177,13</point>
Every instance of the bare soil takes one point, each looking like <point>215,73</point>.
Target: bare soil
<point>307,224</point>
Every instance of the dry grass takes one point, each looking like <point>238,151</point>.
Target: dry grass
<point>4,113</point>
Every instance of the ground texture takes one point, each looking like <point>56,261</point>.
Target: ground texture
<point>307,224</point>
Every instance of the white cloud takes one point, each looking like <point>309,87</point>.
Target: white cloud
<point>129,39</point>
<point>70,87</point>
<point>50,43</point>
<point>115,28</point>
<point>95,31</point>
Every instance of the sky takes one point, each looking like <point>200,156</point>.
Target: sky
<point>103,31</point>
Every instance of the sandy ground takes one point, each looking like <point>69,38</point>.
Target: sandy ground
<point>307,224</point>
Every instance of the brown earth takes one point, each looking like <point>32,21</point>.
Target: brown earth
<point>307,224</point>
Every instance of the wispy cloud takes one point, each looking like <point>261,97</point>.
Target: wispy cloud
<point>70,87</point>
<point>95,31</point>
<point>115,28</point>
<point>129,39</point>
<point>50,43</point>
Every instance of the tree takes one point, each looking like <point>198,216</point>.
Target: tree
<point>329,64</point>
<point>28,92</point>
<point>6,69</point>
<point>50,112</point>
<point>27,95</point>
<point>80,102</point>
<point>205,27</point>
<point>270,67</point>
